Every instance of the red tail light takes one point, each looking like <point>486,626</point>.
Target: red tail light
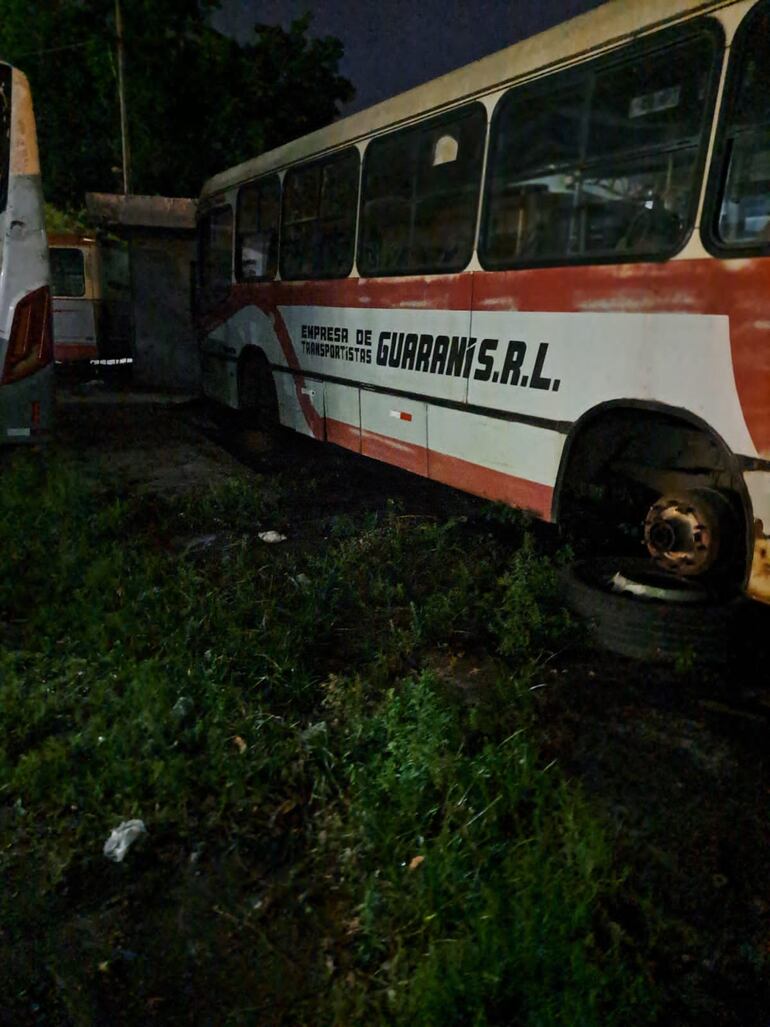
<point>30,346</point>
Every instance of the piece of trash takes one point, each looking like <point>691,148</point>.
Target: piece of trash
<point>314,732</point>
<point>122,838</point>
<point>239,743</point>
<point>303,580</point>
<point>272,536</point>
<point>199,542</point>
<point>416,861</point>
<point>182,708</point>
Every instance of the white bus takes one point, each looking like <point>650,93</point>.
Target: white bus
<point>26,340</point>
<point>543,278</point>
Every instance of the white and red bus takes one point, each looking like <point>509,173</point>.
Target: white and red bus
<point>26,341</point>
<point>543,278</point>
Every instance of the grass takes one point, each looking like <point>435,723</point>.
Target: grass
<point>337,834</point>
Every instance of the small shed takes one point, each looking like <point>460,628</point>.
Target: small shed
<point>160,235</point>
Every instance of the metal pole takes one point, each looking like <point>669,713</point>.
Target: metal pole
<point>122,99</point>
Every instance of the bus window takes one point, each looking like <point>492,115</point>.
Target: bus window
<point>256,254</point>
<point>744,216</point>
<point>68,276</point>
<point>319,218</point>
<point>216,244</point>
<point>600,162</point>
<point>420,196</point>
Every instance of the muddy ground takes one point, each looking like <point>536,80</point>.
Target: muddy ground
<point>678,760</point>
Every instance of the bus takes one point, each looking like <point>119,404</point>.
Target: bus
<point>543,278</point>
<point>77,300</point>
<point>26,340</point>
<point>90,283</point>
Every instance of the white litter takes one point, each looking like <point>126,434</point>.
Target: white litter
<point>182,708</point>
<point>314,733</point>
<point>272,536</point>
<point>122,838</point>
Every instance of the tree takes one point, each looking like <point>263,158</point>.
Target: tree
<point>197,101</point>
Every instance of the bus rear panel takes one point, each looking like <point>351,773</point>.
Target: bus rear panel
<point>26,337</point>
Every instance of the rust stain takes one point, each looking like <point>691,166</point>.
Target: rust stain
<point>24,153</point>
<point>759,579</point>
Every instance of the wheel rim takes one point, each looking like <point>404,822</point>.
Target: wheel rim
<point>683,533</point>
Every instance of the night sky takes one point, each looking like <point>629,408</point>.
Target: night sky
<point>392,45</point>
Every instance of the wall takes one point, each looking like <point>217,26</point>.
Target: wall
<point>165,349</point>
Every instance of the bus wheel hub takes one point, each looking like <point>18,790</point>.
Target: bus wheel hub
<point>682,532</point>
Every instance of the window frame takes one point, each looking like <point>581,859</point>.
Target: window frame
<point>702,26</point>
<point>720,165</point>
<point>337,156</point>
<point>446,117</point>
<point>70,249</point>
<point>238,275</point>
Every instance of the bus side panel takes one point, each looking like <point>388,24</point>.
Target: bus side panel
<point>501,460</point>
<point>576,338</point>
<point>26,407</point>
<point>395,430</point>
<point>343,415</point>
<point>301,403</point>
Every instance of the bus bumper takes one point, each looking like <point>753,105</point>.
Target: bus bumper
<point>26,408</point>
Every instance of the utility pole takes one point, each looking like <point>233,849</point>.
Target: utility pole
<point>122,99</point>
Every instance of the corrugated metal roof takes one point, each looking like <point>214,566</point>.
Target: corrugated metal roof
<point>142,211</point>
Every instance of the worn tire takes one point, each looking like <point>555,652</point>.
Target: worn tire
<point>648,629</point>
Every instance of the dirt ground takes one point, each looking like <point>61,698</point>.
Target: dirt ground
<point>677,760</point>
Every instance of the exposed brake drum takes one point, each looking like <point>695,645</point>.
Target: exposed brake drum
<point>684,533</point>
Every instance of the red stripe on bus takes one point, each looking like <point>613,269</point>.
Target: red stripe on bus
<point>341,434</point>
<point>736,289</point>
<point>394,451</point>
<point>313,419</point>
<point>449,470</point>
<point>444,292</point>
<point>483,481</point>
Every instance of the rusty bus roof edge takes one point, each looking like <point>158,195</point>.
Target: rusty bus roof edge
<point>607,26</point>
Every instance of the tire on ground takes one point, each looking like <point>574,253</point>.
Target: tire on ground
<point>648,629</point>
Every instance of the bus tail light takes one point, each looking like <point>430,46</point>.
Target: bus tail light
<point>30,346</point>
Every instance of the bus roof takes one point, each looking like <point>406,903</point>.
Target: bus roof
<point>573,40</point>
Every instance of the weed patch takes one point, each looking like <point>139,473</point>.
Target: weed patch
<point>314,797</point>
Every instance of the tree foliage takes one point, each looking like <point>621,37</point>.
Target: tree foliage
<point>197,100</point>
